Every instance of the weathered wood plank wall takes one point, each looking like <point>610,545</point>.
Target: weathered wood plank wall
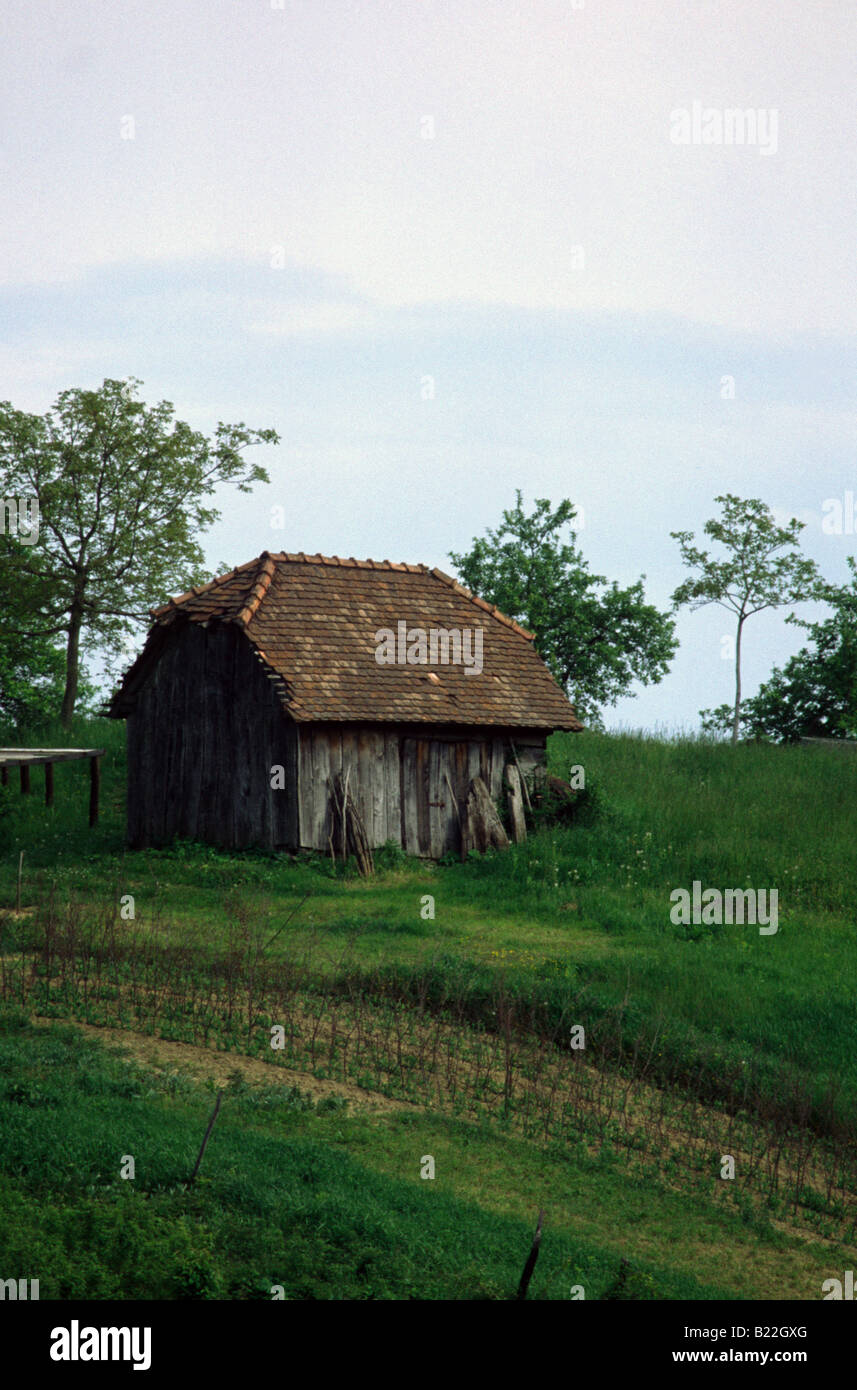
<point>206,730</point>
<point>400,781</point>
<point>208,727</point>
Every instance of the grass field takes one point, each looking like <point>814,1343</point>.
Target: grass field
<point>443,1035</point>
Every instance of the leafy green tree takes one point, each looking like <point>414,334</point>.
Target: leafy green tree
<point>121,490</point>
<point>596,640</point>
<point>751,576</point>
<point>815,693</point>
<point>31,668</point>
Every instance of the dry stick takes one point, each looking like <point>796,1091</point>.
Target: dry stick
<point>521,775</point>
<point>332,789</point>
<point>452,794</point>
<point>531,1261</point>
<point>339,820</point>
<point>293,913</point>
<point>20,871</point>
<point>360,839</point>
<point>345,817</point>
<point>205,1140</point>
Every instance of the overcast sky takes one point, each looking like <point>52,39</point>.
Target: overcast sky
<point>451,249</point>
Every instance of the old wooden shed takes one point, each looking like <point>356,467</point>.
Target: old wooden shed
<point>253,691</point>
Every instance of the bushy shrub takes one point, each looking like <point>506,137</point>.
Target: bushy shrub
<point>555,802</point>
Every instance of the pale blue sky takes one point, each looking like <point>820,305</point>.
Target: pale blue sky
<point>324,203</point>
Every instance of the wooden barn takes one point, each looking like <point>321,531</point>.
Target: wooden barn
<point>252,693</point>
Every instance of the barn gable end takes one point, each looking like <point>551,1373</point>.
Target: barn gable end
<point>204,732</point>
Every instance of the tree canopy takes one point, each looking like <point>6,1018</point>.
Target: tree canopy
<point>597,638</point>
<point>815,694</point>
<point>122,492</point>
<point>752,575</point>
<point>31,668</point>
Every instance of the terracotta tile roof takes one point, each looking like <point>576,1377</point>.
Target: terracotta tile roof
<point>313,620</point>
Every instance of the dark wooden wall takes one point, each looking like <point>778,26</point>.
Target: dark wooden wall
<point>206,730</point>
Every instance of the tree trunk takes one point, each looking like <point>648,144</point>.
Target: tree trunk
<point>737,714</point>
<point>72,664</point>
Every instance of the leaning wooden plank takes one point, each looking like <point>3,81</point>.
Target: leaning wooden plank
<point>516,804</point>
<point>481,826</point>
<point>522,777</point>
<point>206,1137</point>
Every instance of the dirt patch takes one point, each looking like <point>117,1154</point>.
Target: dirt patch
<point>208,1064</point>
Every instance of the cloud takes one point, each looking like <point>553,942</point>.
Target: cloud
<point>452,152</point>
<point>315,320</point>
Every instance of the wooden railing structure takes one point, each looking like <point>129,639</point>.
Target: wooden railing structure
<point>25,758</point>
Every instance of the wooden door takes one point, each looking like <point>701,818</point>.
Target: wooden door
<point>435,776</point>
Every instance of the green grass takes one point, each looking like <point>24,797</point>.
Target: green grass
<point>291,1194</point>
<point>586,906</point>
<point>573,926</point>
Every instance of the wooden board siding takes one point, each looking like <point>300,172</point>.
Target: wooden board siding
<point>400,780</point>
<point>369,757</point>
<point>205,732</point>
<point>393,788</point>
<point>409,833</point>
<point>430,821</point>
<point>207,726</point>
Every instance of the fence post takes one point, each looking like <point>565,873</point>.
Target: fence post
<point>206,1138</point>
<point>531,1260</point>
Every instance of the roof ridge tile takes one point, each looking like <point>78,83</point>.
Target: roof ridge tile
<point>482,603</point>
<point>265,573</point>
<point>177,601</point>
